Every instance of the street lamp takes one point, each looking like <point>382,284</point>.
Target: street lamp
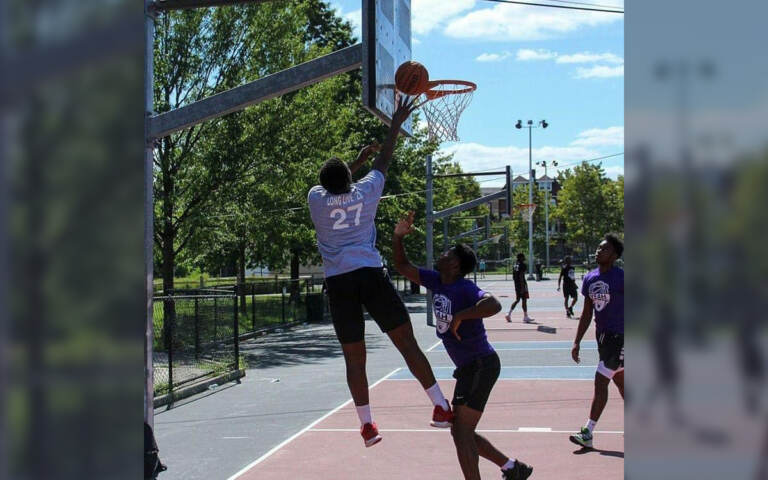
<point>544,164</point>
<point>529,126</point>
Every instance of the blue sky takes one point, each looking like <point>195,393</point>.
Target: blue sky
<point>564,66</point>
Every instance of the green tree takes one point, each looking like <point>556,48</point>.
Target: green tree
<point>589,205</point>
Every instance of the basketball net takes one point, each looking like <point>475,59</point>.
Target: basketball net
<point>526,211</point>
<point>442,105</point>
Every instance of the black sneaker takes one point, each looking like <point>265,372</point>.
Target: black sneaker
<point>520,471</point>
<point>570,310</point>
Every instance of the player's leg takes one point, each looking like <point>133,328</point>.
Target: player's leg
<point>463,432</point>
<point>402,337</point>
<point>349,324</point>
<point>514,304</point>
<point>618,379</point>
<point>389,312</point>
<point>610,348</point>
<point>357,379</point>
<point>525,295</point>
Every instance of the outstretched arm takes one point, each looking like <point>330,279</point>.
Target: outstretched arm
<point>404,109</point>
<point>559,278</point>
<point>402,264</point>
<point>584,321</point>
<point>363,156</point>
<point>485,307</point>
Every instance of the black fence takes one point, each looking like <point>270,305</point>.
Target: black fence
<point>198,331</point>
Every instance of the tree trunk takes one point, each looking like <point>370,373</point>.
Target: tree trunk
<point>169,306</point>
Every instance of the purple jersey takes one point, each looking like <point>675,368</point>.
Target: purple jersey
<point>606,290</point>
<point>448,300</point>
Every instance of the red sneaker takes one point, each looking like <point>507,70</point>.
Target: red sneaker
<point>370,434</point>
<point>442,418</point>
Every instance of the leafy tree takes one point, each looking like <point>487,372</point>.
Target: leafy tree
<point>590,205</point>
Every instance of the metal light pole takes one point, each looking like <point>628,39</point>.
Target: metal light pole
<point>430,223</point>
<point>544,164</point>
<point>530,126</point>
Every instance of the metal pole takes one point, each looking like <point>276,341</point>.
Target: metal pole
<point>236,328</point>
<point>430,240</point>
<point>445,233</point>
<point>474,247</point>
<point>530,200</point>
<point>546,215</point>
<point>149,374</point>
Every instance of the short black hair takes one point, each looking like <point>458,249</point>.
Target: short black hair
<point>567,259</point>
<point>520,256</point>
<point>335,176</point>
<point>616,243</point>
<point>467,258</point>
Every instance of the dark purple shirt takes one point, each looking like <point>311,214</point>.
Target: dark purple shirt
<point>607,293</point>
<point>448,300</point>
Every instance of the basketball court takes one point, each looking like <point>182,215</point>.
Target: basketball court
<point>541,397</point>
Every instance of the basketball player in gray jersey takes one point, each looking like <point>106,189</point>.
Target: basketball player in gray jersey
<point>344,213</point>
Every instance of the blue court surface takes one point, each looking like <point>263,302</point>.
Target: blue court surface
<point>561,345</point>
<point>576,372</point>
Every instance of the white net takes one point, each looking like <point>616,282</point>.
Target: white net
<point>526,211</point>
<point>443,105</point>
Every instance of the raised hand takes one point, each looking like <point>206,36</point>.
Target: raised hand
<point>405,105</point>
<point>405,225</point>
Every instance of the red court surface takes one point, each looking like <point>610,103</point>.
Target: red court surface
<point>529,419</point>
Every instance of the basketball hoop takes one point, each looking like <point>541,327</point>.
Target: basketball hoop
<point>443,103</point>
<point>526,211</point>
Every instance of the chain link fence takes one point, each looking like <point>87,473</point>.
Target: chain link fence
<point>197,331</point>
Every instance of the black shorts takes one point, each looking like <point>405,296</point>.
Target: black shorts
<point>475,381</point>
<point>521,289</point>
<point>610,346</point>
<point>369,286</point>
<point>570,291</point>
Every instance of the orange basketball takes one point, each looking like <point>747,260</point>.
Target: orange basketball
<point>411,78</point>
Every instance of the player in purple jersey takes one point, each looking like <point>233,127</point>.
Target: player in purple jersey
<point>344,216</point>
<point>459,307</point>
<point>603,290</point>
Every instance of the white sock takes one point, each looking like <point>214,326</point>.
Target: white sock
<point>364,413</point>
<point>437,397</point>
<point>590,425</point>
<point>509,465</point>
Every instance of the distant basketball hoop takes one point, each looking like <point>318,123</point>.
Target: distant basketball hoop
<point>526,211</point>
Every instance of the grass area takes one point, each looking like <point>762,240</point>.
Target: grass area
<point>214,319</point>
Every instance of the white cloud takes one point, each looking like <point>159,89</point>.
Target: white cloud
<point>475,157</point>
<point>525,54</point>
<point>600,137</point>
<point>614,171</point>
<point>600,71</point>
<point>493,57</point>
<point>355,18</point>
<point>426,15</point>
<point>505,22</point>
<point>589,57</point>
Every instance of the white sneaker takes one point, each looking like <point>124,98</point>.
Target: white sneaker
<point>527,319</point>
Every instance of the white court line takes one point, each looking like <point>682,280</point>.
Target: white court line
<point>447,430</point>
<point>433,346</point>
<point>521,349</point>
<point>303,430</point>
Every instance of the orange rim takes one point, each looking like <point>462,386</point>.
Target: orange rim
<point>463,87</point>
